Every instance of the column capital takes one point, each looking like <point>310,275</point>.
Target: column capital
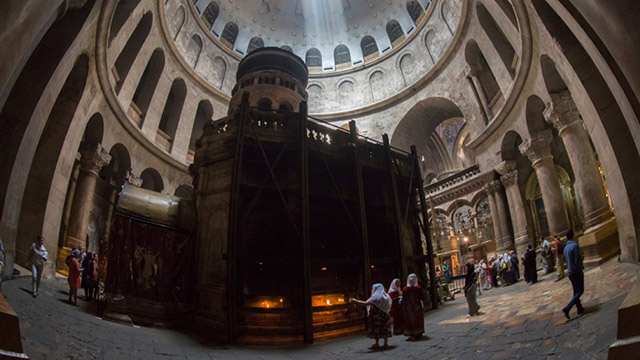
<point>537,147</point>
<point>495,185</point>
<point>94,157</point>
<point>132,179</point>
<point>510,178</point>
<point>470,72</point>
<point>561,112</point>
<point>505,167</point>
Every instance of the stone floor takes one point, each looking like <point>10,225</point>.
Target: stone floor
<point>520,321</point>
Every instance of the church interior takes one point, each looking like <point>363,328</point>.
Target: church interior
<point>250,167</point>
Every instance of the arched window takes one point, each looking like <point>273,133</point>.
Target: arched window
<point>255,43</point>
<point>131,49</point>
<point>395,33</point>
<point>285,107</point>
<point>151,180</point>
<point>415,11</point>
<point>314,59</point>
<point>342,57</point>
<point>204,113</point>
<point>483,80</point>
<point>498,39</point>
<point>229,35</point>
<point>176,23</point>
<point>171,114</point>
<point>210,14</point>
<point>194,50</point>
<point>120,16</point>
<point>369,48</point>
<point>147,85</point>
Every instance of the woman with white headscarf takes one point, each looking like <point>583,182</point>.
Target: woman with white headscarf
<point>378,308</point>
<point>413,309</point>
<point>395,293</point>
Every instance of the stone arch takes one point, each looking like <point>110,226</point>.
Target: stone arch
<point>152,180</point>
<point>265,104</point>
<point>219,72</point>
<point>255,43</point>
<point>285,107</point>
<point>177,22</point>
<point>429,42</point>
<point>447,11</point>
<point>369,48</point>
<point>130,51</point>
<point>116,172</point>
<point>500,42</point>
<point>414,8</point>
<point>147,85</point>
<point>313,58</point>
<point>456,204</point>
<point>509,147</point>
<point>552,79</point>
<point>395,33</point>
<point>184,191</point>
<point>194,50</point>
<point>210,13</point>
<point>346,90</point>
<point>418,127</point>
<point>507,8</point>
<point>315,95</point>
<point>342,57</point>
<point>489,87</point>
<point>94,130</point>
<point>534,115</point>
<point>204,113</point>
<point>408,69</point>
<point>172,111</point>
<point>43,167</point>
<point>377,85</point>
<point>229,34</point>
<point>120,16</point>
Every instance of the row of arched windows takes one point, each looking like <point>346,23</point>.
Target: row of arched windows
<point>342,56</point>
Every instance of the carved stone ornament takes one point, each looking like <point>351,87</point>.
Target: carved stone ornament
<point>132,179</point>
<point>537,147</point>
<point>94,157</point>
<point>510,178</point>
<point>561,111</point>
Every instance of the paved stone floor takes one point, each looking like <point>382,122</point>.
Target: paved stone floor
<point>520,321</point>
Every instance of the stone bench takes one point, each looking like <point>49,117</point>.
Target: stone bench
<point>627,344</point>
<point>10,341</point>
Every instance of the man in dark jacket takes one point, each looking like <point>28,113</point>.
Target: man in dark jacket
<point>576,275</point>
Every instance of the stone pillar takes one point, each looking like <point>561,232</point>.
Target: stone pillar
<point>495,219</point>
<point>538,150</point>
<point>518,215</point>
<point>599,221</point>
<point>472,75</point>
<point>94,157</point>
<point>506,242</point>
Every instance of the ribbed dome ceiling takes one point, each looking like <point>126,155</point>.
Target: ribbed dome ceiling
<point>368,28</point>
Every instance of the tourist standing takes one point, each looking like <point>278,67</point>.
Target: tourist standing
<point>483,276</point>
<point>94,291</point>
<point>378,307</point>
<point>87,275</point>
<point>74,277</point>
<point>446,269</point>
<point>558,248</point>
<point>37,257</point>
<point>515,263</point>
<point>495,269</point>
<point>576,275</point>
<point>395,293</point>
<point>413,309</point>
<point>470,284</point>
<point>529,262</point>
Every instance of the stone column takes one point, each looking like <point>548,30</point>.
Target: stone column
<point>495,219</point>
<point>94,157</point>
<point>518,215</point>
<point>538,150</point>
<point>599,221</point>
<point>472,75</point>
<point>506,242</point>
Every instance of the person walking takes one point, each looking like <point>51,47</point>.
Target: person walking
<point>74,277</point>
<point>470,284</point>
<point>576,275</point>
<point>395,293</point>
<point>558,248</point>
<point>413,309</point>
<point>36,259</point>
<point>378,308</point>
<point>87,275</point>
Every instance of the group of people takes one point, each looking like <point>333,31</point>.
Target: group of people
<point>403,305</point>
<point>83,272</point>
<point>502,271</point>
